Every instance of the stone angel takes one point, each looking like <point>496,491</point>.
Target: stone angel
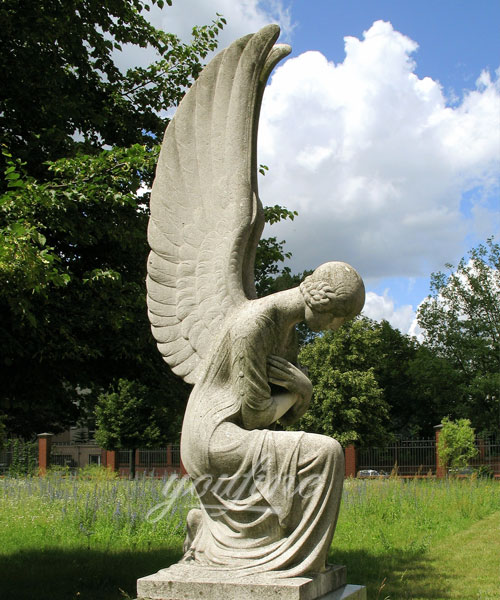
<point>269,498</point>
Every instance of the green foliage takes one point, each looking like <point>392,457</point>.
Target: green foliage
<point>96,473</point>
<point>73,231</point>
<point>127,417</point>
<point>60,76</point>
<point>72,300</point>
<point>270,252</point>
<point>23,457</point>
<point>461,320</point>
<point>456,443</point>
<point>73,244</point>
<point>369,368</point>
<point>419,385</point>
<point>348,403</point>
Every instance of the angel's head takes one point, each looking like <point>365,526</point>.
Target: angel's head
<point>333,294</point>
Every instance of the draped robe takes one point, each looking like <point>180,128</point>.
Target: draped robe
<point>269,499</point>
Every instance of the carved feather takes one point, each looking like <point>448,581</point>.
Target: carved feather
<point>206,216</point>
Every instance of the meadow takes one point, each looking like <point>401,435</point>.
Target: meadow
<point>90,536</point>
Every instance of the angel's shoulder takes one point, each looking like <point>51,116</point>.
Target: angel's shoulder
<point>258,320</point>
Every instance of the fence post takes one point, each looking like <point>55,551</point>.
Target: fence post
<point>350,461</point>
<point>440,472</point>
<point>44,444</point>
<point>111,460</point>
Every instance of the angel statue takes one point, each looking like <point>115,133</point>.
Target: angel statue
<point>268,498</point>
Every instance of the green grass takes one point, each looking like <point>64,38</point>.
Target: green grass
<point>404,539</point>
<point>63,538</point>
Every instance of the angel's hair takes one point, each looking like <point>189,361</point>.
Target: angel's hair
<point>334,287</point>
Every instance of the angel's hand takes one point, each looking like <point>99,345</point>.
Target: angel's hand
<point>285,374</point>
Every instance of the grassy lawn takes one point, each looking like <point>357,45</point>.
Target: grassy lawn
<point>65,539</point>
<point>421,539</point>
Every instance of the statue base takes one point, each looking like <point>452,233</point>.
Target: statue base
<point>188,582</point>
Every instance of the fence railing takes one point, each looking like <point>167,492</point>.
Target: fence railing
<point>76,456</point>
<point>405,457</point>
<point>488,456</point>
<point>152,458</point>
<point>419,457</point>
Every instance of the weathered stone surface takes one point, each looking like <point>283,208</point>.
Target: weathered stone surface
<point>181,582</point>
<point>347,592</point>
<point>269,499</point>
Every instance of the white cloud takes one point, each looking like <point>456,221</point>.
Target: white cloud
<point>243,17</point>
<point>382,307</point>
<point>374,159</point>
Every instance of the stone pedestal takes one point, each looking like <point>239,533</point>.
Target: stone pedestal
<point>186,582</point>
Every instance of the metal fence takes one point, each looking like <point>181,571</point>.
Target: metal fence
<point>152,458</point>
<point>404,457</point>
<point>418,457</point>
<point>488,457</point>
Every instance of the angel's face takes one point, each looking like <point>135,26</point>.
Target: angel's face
<point>320,321</point>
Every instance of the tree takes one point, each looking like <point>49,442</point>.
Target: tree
<point>270,252</point>
<point>73,242</point>
<point>348,403</point>
<point>62,91</point>
<point>73,246</point>
<point>72,270</point>
<point>128,416</point>
<point>434,388</point>
<point>456,444</point>
<point>461,320</point>
<point>73,256</point>
<point>419,386</point>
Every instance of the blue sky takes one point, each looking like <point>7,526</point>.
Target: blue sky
<point>382,129</point>
<point>457,38</point>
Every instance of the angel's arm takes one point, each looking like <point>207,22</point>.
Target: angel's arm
<point>254,371</point>
<point>291,405</point>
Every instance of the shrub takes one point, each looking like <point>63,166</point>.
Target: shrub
<point>456,443</point>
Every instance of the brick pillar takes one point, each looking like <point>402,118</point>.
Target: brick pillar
<point>111,459</point>
<point>169,455</point>
<point>44,443</point>
<point>440,472</point>
<point>350,461</point>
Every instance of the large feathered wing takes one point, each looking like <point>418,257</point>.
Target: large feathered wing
<point>206,217</point>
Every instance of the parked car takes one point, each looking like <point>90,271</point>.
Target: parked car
<point>371,474</point>
<point>463,472</point>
